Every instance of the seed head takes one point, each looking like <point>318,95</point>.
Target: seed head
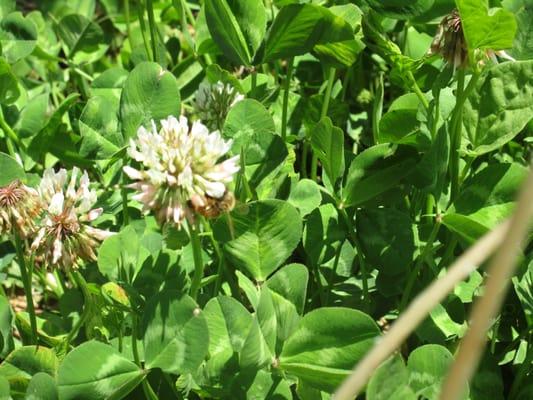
<point>65,236</point>
<point>181,168</point>
<point>19,209</point>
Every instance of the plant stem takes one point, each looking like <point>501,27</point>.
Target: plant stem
<point>128,23</point>
<point>286,91</point>
<point>25,274</point>
<point>82,285</point>
<point>11,135</point>
<point>418,92</point>
<point>198,262</point>
<point>377,108</point>
<point>456,126</point>
<point>153,27</point>
<point>140,13</point>
<point>147,389</point>
<point>418,266</point>
<point>124,194</point>
<point>254,80</point>
<point>323,114</point>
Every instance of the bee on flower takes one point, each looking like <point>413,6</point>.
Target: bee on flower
<point>213,103</point>
<point>450,44</point>
<point>181,170</point>
<point>65,236</point>
<point>20,207</point>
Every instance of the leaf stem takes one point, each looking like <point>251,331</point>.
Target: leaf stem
<point>140,14</point>
<point>128,22</point>
<point>418,91</point>
<point>418,266</point>
<point>82,285</point>
<point>25,274</point>
<point>147,388</point>
<point>153,27</point>
<point>286,91</point>
<point>323,113</point>
<point>198,262</point>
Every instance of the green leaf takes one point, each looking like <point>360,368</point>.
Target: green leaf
<point>9,89</point>
<point>401,9</point>
<point>99,128</point>
<point>149,93</point>
<point>175,333</point>
<point>106,374</point>
<point>4,383</point>
<point>327,344</point>
<point>236,27</point>
<point>83,40</point>
<point>262,238</point>
<point>24,362</point>
<point>500,107</point>
<point>486,29</point>
<point>374,171</point>
<point>524,290</point>
<point>305,196</point>
<point>390,382</point>
<point>400,123</point>
<point>297,28</point>
<point>328,144</point>
<point>269,386</point>
<point>291,283</point>
<point>11,170</point>
<point>7,343</point>
<point>32,118</point>
<point>42,387</point>
<point>523,43</point>
<point>341,48</point>
<point>487,199</point>
<point>387,238</point>
<point>42,142</point>
<point>421,378</point>
<point>18,36</point>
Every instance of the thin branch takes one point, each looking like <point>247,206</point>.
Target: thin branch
<point>500,272</point>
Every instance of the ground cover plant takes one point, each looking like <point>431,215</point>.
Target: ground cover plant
<point>237,199</point>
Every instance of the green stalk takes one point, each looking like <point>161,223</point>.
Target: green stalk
<point>82,285</point>
<point>11,136</point>
<point>151,23</point>
<point>147,389</point>
<point>377,108</point>
<point>418,266</point>
<point>140,14</point>
<point>456,128</point>
<point>323,113</point>
<point>254,79</point>
<point>25,274</point>
<point>417,91</point>
<point>128,24</point>
<point>360,258</point>
<point>124,194</point>
<point>198,262</point>
<point>285,109</point>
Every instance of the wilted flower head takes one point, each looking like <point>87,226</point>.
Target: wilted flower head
<point>451,44</point>
<point>182,172</point>
<point>213,102</point>
<point>65,236</point>
<point>19,208</point>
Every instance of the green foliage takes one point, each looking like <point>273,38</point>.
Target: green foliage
<point>332,159</point>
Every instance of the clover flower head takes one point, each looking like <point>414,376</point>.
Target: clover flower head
<point>65,236</point>
<point>19,208</point>
<point>450,43</point>
<point>214,101</point>
<point>181,171</point>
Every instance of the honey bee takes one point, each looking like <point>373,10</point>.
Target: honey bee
<point>211,207</point>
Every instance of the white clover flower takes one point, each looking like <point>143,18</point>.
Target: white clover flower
<point>213,102</point>
<point>19,209</point>
<point>65,236</point>
<point>182,173</point>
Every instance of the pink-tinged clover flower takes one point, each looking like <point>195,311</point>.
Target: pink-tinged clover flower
<point>65,236</point>
<point>213,103</point>
<point>181,171</point>
<point>450,43</point>
<point>20,208</point>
